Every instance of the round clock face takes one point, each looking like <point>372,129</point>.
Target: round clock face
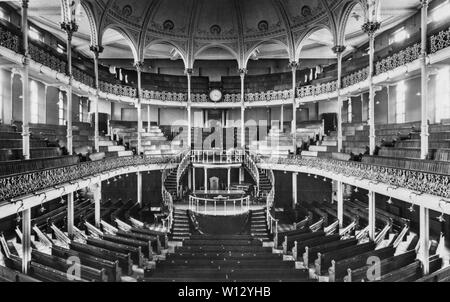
<point>215,95</point>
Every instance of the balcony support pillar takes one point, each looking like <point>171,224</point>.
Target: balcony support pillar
<point>242,73</point>
<point>371,28</point>
<point>424,82</point>
<point>26,110</point>
<point>294,65</point>
<point>26,240</point>
<point>139,65</point>
<point>339,50</point>
<point>96,50</point>
<point>188,73</point>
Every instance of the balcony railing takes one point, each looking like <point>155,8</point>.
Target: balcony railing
<point>14,186</point>
<point>12,40</point>
<point>422,182</point>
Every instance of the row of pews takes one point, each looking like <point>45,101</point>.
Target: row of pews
<point>348,255</point>
<point>113,251</point>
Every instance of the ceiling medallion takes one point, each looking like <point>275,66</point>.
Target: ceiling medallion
<point>215,30</point>
<point>126,11</point>
<point>306,11</point>
<point>263,26</point>
<point>168,25</point>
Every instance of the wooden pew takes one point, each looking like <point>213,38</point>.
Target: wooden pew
<point>339,268</point>
<point>386,266</point>
<point>61,264</point>
<point>411,272</point>
<point>441,275</point>
<point>290,241</point>
<point>111,268</point>
<point>125,261</point>
<point>10,275</point>
<point>300,246</point>
<point>326,247</point>
<point>283,236</point>
<point>145,246</point>
<point>154,240</point>
<point>323,261</point>
<point>145,231</point>
<point>135,253</point>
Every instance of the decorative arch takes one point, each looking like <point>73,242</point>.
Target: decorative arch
<point>305,35</point>
<point>345,16</point>
<point>172,44</point>
<point>250,51</point>
<point>125,35</point>
<point>93,27</point>
<point>219,45</point>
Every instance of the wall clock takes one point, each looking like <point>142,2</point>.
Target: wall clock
<point>215,95</point>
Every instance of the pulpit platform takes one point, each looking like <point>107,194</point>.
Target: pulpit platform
<point>219,193</point>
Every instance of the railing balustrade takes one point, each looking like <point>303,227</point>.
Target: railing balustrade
<point>219,207</point>
<point>232,156</point>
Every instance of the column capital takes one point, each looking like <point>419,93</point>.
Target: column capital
<point>293,65</point>
<point>139,65</point>
<point>96,49</point>
<point>371,27</point>
<point>25,3</point>
<point>424,3</point>
<point>189,71</point>
<point>70,28</point>
<point>338,49</point>
<point>243,71</point>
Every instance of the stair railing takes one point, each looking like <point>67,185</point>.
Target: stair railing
<point>272,223</point>
<point>166,196</point>
<point>251,166</point>
<point>184,164</point>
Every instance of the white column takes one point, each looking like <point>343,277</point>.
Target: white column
<point>26,240</point>
<point>139,67</point>
<point>281,117</point>
<point>97,203</point>
<point>26,113</point>
<point>350,111</point>
<point>189,178</point>
<point>241,175</point>
<point>228,179</point>
<point>294,189</point>
<point>139,187</point>
<point>425,239</point>
<point>70,214</point>
<point>189,105</point>
<point>70,28</point>
<point>96,50</point>
<point>338,50</point>
<point>340,203</point>
<point>424,82</point>
<point>370,28</point>
<point>206,180</point>
<point>193,179</point>
<point>294,66</point>
<point>148,119</point>
<point>242,73</point>
<point>372,215</point>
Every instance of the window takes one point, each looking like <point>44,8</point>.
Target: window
<point>34,33</point>
<point>61,109</point>
<point>399,36</point>
<point>4,15</point>
<point>34,102</point>
<point>400,114</point>
<point>440,13</point>
<point>443,94</point>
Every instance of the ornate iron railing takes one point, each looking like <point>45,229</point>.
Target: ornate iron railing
<point>184,163</point>
<point>232,156</point>
<point>14,186</point>
<point>356,77</point>
<point>219,207</point>
<point>440,41</point>
<point>421,182</point>
<point>398,59</point>
<point>251,166</point>
<point>305,91</point>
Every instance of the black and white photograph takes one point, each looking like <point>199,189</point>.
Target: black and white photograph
<point>223,148</point>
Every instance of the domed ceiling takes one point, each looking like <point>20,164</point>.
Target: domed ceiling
<point>232,29</point>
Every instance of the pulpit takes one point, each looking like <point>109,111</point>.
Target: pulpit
<point>214,183</point>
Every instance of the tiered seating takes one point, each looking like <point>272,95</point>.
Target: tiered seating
<point>154,142</point>
<point>23,166</point>
<point>276,143</point>
<point>224,258</point>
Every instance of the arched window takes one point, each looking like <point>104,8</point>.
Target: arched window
<point>34,100</point>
